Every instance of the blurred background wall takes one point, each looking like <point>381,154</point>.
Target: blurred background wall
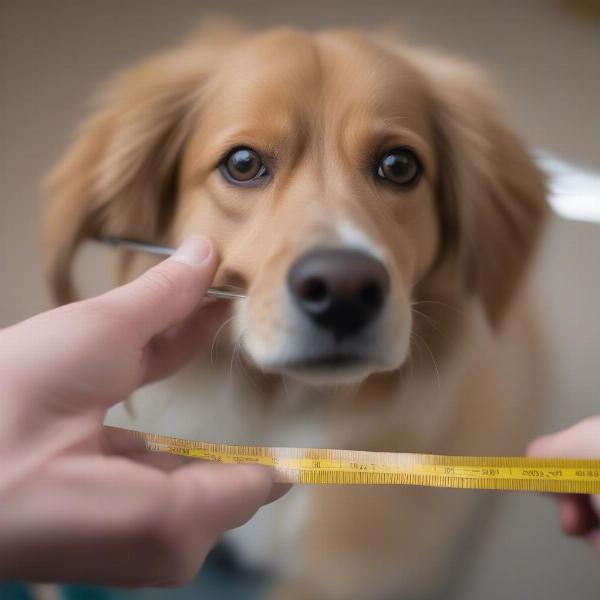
<point>544,54</point>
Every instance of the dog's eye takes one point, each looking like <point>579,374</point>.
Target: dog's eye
<point>400,166</point>
<point>243,165</point>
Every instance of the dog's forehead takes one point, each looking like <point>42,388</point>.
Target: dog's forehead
<point>292,74</point>
<point>263,73</point>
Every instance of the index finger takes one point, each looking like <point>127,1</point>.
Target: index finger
<point>164,295</point>
<point>582,440</point>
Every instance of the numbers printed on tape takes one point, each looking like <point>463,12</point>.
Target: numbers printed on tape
<point>327,466</point>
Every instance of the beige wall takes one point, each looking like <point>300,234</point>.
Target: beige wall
<point>54,54</point>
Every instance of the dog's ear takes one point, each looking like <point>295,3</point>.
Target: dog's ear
<point>120,175</point>
<point>492,196</point>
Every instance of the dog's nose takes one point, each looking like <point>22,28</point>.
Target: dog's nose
<point>340,290</point>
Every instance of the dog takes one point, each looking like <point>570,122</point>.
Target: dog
<point>369,199</point>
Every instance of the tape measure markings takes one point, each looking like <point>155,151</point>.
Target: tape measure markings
<point>357,467</point>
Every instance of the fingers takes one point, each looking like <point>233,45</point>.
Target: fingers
<point>126,444</point>
<point>576,514</point>
<point>121,441</point>
<point>166,294</point>
<point>221,496</point>
<point>582,440</point>
<point>208,496</point>
<point>206,500</point>
<point>278,490</point>
<point>150,527</point>
<point>202,501</point>
<point>167,352</point>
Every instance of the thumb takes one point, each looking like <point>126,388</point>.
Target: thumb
<point>217,497</point>
<point>582,440</point>
<point>166,294</point>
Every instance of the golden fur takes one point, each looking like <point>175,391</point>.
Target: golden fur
<point>457,247</point>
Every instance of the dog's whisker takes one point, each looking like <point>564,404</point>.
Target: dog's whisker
<point>433,359</point>
<point>425,316</point>
<point>242,365</point>
<point>454,308</point>
<point>434,325</point>
<point>415,343</point>
<point>216,336</point>
<point>231,362</point>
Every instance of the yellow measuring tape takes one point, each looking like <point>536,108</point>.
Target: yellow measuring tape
<point>355,467</point>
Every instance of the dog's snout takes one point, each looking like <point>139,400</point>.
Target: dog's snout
<point>340,290</point>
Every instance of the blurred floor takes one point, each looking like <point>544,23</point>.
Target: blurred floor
<point>53,55</point>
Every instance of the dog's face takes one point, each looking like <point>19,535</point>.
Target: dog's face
<point>336,173</point>
<point>312,164</point>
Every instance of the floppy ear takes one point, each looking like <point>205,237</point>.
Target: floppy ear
<point>492,195</point>
<point>120,175</point>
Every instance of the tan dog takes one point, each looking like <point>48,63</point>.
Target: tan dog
<point>380,216</point>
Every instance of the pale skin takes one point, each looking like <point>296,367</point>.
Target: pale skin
<point>579,515</point>
<point>79,503</point>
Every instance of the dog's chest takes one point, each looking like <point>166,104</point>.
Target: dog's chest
<point>211,404</point>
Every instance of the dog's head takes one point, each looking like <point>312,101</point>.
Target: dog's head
<point>337,172</point>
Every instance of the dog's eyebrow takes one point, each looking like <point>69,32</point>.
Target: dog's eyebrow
<point>143,246</point>
<point>388,133</point>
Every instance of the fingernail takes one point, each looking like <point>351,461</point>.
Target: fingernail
<point>193,250</point>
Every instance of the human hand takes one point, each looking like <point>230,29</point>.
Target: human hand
<point>579,514</point>
<point>79,503</point>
